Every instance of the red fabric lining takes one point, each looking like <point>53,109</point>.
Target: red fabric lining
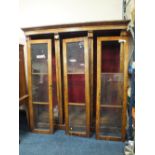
<point>54,88</point>
<point>110,57</point>
<point>76,88</point>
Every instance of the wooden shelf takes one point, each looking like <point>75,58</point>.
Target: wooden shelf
<point>43,103</point>
<point>76,73</point>
<point>39,73</point>
<point>22,99</point>
<point>111,73</point>
<point>76,104</point>
<point>110,106</point>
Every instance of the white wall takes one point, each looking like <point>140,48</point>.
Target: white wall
<point>52,12</point>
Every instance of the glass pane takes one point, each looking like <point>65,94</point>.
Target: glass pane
<point>41,116</point>
<point>110,122</point>
<point>75,57</point>
<point>110,56</point>
<point>77,118</point>
<point>76,88</point>
<point>112,88</point>
<point>40,88</point>
<point>54,90</point>
<point>39,58</point>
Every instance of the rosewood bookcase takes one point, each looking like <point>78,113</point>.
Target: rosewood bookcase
<point>77,78</point>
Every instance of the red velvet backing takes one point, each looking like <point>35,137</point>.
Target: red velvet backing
<point>54,87</point>
<point>76,88</point>
<point>110,57</point>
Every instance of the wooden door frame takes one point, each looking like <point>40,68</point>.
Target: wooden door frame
<point>49,44</point>
<point>58,77</point>
<point>91,76</point>
<point>87,86</point>
<point>124,69</point>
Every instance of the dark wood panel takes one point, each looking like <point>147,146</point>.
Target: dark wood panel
<point>22,78</point>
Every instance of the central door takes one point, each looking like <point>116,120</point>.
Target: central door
<point>76,86</point>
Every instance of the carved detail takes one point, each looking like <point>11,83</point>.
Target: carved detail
<point>56,36</point>
<point>90,34</point>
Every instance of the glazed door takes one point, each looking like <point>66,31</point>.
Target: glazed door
<point>76,86</point>
<point>40,85</point>
<point>111,83</point>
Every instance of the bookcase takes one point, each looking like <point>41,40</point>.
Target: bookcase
<point>77,78</point>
